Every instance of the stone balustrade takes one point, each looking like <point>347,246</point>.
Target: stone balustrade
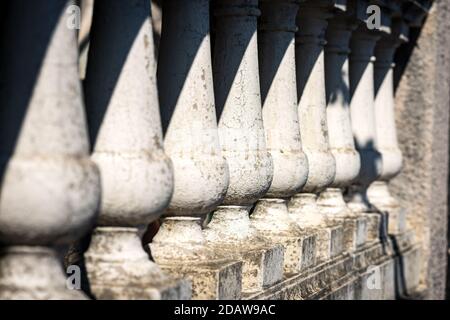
<point>249,160</point>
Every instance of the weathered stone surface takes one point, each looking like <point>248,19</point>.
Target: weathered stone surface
<point>423,114</point>
<point>389,280</point>
<point>365,274</point>
<point>299,251</point>
<point>33,273</point>
<point>336,235</point>
<point>374,226</point>
<point>276,53</point>
<point>262,268</point>
<point>242,140</point>
<point>332,204</point>
<point>345,292</point>
<point>171,289</point>
<point>408,265</point>
<point>386,131</point>
<point>179,246</point>
<point>185,83</point>
<point>50,189</point>
<point>136,174</point>
<point>118,268</point>
<point>362,107</point>
<point>341,139</point>
<point>211,280</point>
<point>277,225</point>
<point>272,220</point>
<point>201,175</point>
<point>305,212</point>
<point>231,234</point>
<point>361,231</point>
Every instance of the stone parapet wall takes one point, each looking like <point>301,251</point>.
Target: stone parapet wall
<point>223,149</point>
<point>422,121</point>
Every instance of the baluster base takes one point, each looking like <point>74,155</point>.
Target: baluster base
<point>119,268</point>
<point>306,213</point>
<point>230,232</point>
<point>332,204</point>
<point>34,273</point>
<point>271,218</point>
<point>181,249</point>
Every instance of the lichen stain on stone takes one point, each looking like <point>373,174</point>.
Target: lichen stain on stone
<point>146,41</point>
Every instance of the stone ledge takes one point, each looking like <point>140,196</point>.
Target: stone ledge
<point>211,281</point>
<point>337,278</point>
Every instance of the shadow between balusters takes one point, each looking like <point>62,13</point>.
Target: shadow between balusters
<point>342,90</point>
<point>271,69</point>
<point>227,66</point>
<point>305,65</point>
<point>19,69</point>
<point>23,50</point>
<point>169,95</point>
<point>102,77</point>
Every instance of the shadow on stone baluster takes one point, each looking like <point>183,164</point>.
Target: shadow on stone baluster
<point>362,107</point>
<point>312,23</point>
<point>241,132</point>
<point>363,114</point>
<point>136,174</point>
<point>50,189</point>
<point>341,141</point>
<point>270,216</point>
<point>192,142</point>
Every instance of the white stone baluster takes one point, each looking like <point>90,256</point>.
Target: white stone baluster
<point>50,188</point>
<point>378,192</point>
<point>241,132</point>
<point>340,131</point>
<point>312,23</point>
<point>136,175</point>
<point>362,107</point>
<point>192,142</point>
<point>279,95</point>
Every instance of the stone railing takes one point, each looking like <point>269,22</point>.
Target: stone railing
<point>251,160</point>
